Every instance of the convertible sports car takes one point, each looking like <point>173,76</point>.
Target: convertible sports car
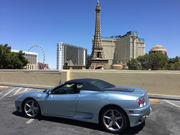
<point>92,100</point>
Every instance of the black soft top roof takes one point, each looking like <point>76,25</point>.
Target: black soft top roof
<point>91,84</point>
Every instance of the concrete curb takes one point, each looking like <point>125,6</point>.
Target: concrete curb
<point>152,96</point>
<point>26,85</point>
<point>165,97</point>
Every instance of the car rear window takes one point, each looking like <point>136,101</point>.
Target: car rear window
<point>101,84</point>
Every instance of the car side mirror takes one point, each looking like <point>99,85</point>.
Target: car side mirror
<point>48,92</point>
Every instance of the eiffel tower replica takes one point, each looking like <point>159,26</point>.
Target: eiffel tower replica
<point>98,60</point>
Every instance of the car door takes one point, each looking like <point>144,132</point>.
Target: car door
<point>62,101</point>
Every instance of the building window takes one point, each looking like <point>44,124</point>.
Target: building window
<point>99,55</point>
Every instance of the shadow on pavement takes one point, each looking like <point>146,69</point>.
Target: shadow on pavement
<point>129,131</point>
<point>134,130</point>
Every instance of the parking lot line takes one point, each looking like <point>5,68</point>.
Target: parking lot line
<point>29,121</point>
<point>7,93</point>
<point>16,91</point>
<point>172,103</point>
<point>23,91</point>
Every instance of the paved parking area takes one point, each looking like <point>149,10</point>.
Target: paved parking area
<point>164,120</point>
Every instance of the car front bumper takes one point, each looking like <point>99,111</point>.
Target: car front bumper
<point>18,105</point>
<point>139,115</point>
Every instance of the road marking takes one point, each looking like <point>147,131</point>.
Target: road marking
<point>7,93</point>
<point>172,104</point>
<point>29,121</point>
<point>26,89</point>
<point>154,100</point>
<point>16,91</point>
<point>5,87</point>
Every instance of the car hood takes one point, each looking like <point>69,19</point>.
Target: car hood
<point>32,94</point>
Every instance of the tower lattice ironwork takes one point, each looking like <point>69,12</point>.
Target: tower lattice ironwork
<point>97,57</point>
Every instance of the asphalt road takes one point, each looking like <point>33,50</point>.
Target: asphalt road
<point>164,120</point>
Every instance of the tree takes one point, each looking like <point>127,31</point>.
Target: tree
<point>177,65</point>
<point>159,61</point>
<point>11,60</point>
<point>173,60</point>
<point>173,63</point>
<point>154,61</point>
<point>145,62</point>
<point>133,64</point>
<point>4,55</point>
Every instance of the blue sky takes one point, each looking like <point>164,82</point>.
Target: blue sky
<point>24,23</point>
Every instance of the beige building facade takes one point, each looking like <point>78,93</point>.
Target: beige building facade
<point>32,58</point>
<point>108,45</point>
<point>121,49</point>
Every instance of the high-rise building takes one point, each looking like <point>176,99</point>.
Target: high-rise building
<point>32,58</point>
<point>69,56</point>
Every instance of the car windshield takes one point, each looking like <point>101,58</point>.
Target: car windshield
<point>50,89</point>
<point>101,84</point>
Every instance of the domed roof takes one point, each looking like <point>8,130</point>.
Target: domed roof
<point>158,48</point>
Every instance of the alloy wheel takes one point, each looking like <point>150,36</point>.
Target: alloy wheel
<point>31,108</point>
<point>113,120</point>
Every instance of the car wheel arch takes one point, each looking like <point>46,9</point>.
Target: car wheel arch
<point>113,105</point>
<point>29,98</point>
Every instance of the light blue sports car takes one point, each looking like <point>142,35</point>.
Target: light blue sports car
<point>92,100</point>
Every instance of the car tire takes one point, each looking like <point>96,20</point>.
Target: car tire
<point>113,120</point>
<point>31,108</point>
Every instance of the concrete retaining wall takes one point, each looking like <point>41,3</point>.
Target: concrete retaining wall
<point>42,78</point>
<point>155,82</point>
